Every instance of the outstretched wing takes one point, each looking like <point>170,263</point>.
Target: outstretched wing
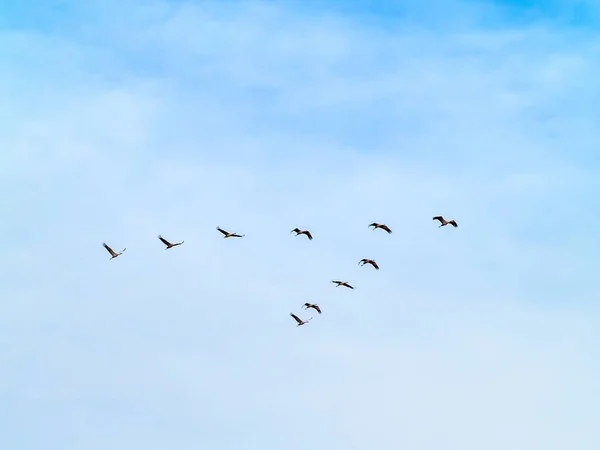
<point>296,317</point>
<point>307,233</point>
<point>440,218</point>
<point>386,228</point>
<point>374,264</point>
<point>336,281</point>
<point>348,286</point>
<point>110,250</point>
<point>453,223</point>
<point>295,230</point>
<point>374,224</point>
<point>222,231</point>
<point>163,240</point>
<point>316,308</point>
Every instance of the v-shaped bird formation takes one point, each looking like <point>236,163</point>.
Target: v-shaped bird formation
<point>298,231</point>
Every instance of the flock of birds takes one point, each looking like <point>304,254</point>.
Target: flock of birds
<point>298,231</point>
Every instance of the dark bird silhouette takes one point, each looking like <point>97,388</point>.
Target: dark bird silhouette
<point>299,231</point>
<point>227,234</point>
<point>383,226</point>
<point>111,251</point>
<point>299,320</point>
<point>313,306</point>
<point>364,261</point>
<point>167,243</point>
<point>445,222</point>
<point>342,283</point>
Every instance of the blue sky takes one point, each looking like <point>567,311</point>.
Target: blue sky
<point>120,121</point>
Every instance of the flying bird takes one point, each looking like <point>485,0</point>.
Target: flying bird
<point>299,320</point>
<point>445,222</point>
<point>227,234</point>
<point>364,261</point>
<point>383,226</point>
<point>167,243</point>
<point>313,306</point>
<point>111,251</point>
<point>299,231</point>
<point>342,283</point>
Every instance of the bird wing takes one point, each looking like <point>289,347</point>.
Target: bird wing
<point>316,308</point>
<point>453,223</point>
<point>222,231</point>
<point>386,228</point>
<point>296,317</point>
<point>110,250</point>
<point>336,281</point>
<point>163,240</point>
<point>308,234</point>
<point>347,285</point>
<point>374,264</point>
<point>295,230</point>
<point>440,218</point>
<point>374,224</point>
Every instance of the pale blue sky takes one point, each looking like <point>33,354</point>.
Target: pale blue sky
<point>123,120</point>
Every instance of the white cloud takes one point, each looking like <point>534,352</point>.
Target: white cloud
<point>260,118</point>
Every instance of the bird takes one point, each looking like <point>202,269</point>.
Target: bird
<point>313,306</point>
<point>383,226</point>
<point>299,320</point>
<point>111,251</point>
<point>342,283</point>
<point>368,261</point>
<point>227,234</point>
<point>299,231</point>
<point>445,222</point>
<point>167,243</point>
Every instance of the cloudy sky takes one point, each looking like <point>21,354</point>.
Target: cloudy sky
<point>122,120</point>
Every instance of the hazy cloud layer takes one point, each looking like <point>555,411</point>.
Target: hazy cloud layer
<point>122,122</point>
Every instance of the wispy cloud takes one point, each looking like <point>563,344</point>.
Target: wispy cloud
<point>122,122</point>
